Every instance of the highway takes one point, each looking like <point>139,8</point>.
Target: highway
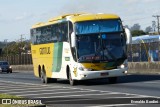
<point>91,93</point>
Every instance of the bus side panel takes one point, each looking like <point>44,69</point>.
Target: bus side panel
<point>66,59</point>
<point>42,56</point>
<point>34,60</point>
<point>57,57</point>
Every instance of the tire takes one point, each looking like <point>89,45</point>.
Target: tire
<point>71,81</point>
<point>44,78</point>
<point>112,80</point>
<point>10,71</point>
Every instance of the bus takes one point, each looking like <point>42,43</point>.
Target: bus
<point>80,47</point>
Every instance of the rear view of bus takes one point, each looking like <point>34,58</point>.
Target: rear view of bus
<point>96,47</point>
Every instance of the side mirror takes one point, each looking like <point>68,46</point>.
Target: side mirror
<point>73,39</point>
<point>128,36</point>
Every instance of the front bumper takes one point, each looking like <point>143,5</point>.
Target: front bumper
<point>5,70</point>
<point>84,75</point>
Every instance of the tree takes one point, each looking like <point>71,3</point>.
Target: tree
<point>126,26</point>
<point>2,44</point>
<point>0,51</point>
<point>138,32</point>
<point>135,27</point>
<point>148,29</point>
<point>14,48</point>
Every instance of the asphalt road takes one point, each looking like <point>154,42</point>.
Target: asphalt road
<point>91,93</point>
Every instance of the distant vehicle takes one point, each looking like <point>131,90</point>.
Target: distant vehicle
<point>80,47</point>
<point>5,67</point>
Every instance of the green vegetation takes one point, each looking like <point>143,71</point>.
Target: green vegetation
<point>137,33</point>
<point>14,48</point>
<point>6,96</point>
<point>9,96</point>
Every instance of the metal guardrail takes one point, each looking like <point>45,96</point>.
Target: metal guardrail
<point>24,59</point>
<point>144,52</point>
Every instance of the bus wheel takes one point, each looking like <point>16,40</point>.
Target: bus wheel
<point>71,81</point>
<point>44,79</point>
<point>112,80</point>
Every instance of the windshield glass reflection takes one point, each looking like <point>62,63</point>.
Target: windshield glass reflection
<point>100,47</point>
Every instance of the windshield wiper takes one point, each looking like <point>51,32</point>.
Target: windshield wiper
<point>110,54</point>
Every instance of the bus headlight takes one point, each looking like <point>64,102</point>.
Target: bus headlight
<point>10,67</point>
<point>82,68</point>
<point>124,65</point>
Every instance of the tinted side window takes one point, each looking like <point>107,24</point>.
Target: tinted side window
<point>45,34</point>
<point>64,31</point>
<point>41,35</point>
<point>52,33</point>
<point>61,31</point>
<point>33,37</point>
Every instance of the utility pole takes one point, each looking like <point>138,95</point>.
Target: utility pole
<point>158,25</point>
<point>21,39</point>
<point>20,49</point>
<point>154,26</point>
<point>5,41</point>
<point>20,45</point>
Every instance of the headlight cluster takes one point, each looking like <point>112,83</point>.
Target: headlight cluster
<point>124,65</point>
<point>10,67</point>
<point>82,68</point>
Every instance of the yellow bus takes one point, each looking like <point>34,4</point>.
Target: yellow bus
<point>80,47</point>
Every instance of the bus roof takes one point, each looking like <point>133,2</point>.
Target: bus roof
<point>85,17</point>
<point>76,18</point>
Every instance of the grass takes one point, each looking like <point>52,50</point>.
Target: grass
<point>8,96</point>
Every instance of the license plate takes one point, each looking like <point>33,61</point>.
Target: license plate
<point>4,69</point>
<point>104,74</point>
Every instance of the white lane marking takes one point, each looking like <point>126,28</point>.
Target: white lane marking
<point>79,88</point>
<point>29,88</point>
<point>18,83</point>
<point>152,82</point>
<point>113,105</point>
<point>35,84</point>
<point>40,91</point>
<point>82,95</point>
<point>126,93</point>
<point>51,93</point>
<point>22,83</point>
<point>24,86</point>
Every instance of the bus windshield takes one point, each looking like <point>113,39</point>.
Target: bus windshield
<point>97,26</point>
<point>103,45</point>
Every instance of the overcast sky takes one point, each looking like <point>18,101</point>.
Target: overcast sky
<point>17,16</point>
